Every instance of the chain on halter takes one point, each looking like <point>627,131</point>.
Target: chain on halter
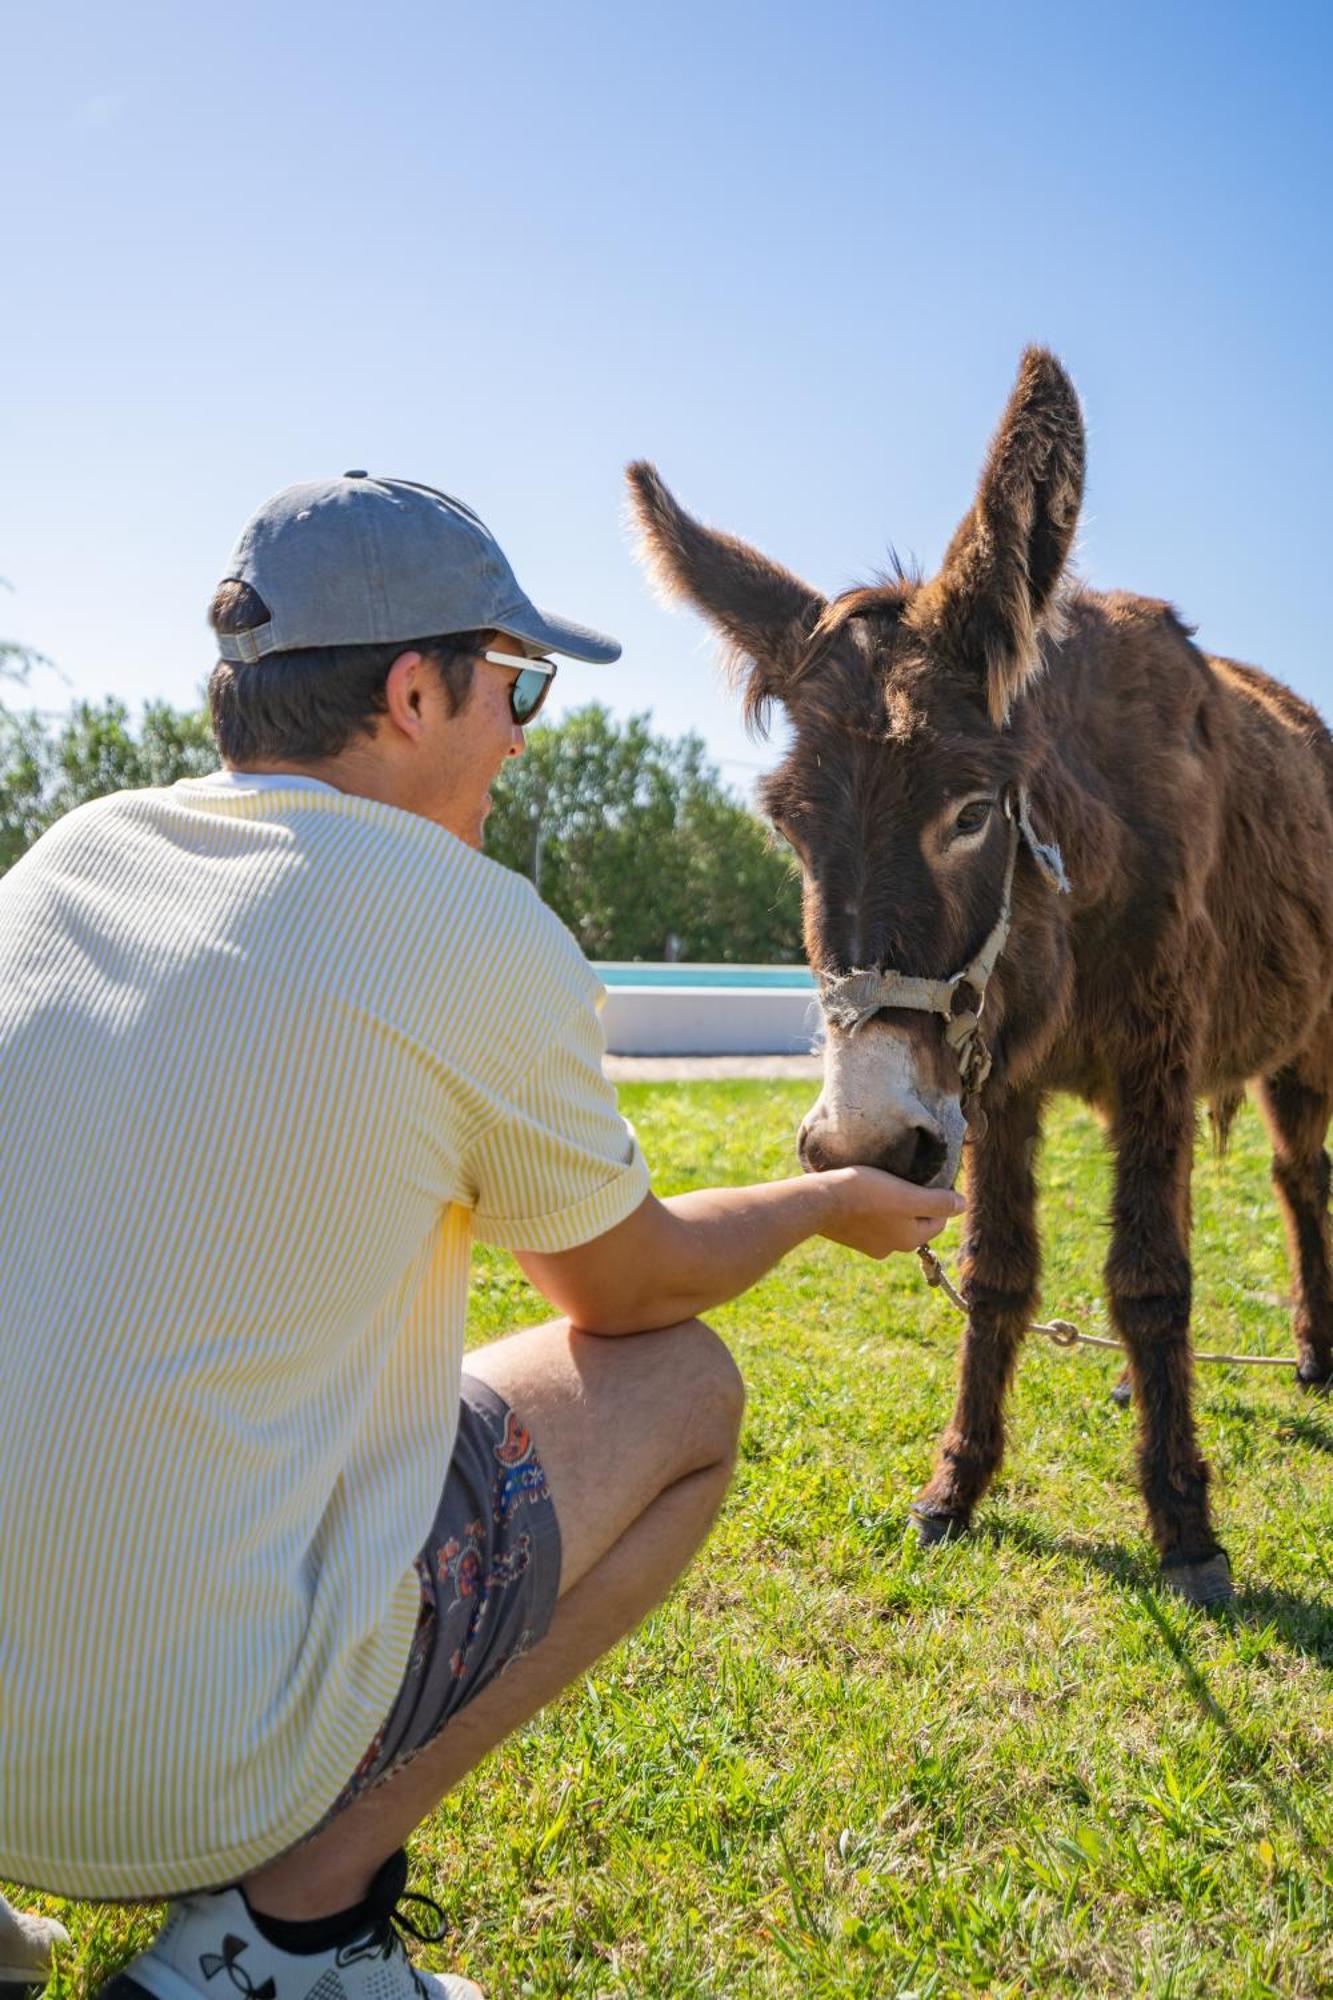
<point>850,999</point>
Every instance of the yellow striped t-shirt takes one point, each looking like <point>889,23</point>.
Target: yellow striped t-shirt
<point>269,1054</point>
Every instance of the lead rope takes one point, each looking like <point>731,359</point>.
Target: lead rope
<point>1065,1334</point>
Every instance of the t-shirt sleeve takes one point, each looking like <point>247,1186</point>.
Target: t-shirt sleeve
<point>560,1165</point>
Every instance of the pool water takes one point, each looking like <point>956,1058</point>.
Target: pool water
<point>623,972</point>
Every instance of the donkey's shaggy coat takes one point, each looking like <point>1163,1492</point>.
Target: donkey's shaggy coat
<point>1192,800</point>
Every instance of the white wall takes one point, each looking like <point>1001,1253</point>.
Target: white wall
<point>709,1021</point>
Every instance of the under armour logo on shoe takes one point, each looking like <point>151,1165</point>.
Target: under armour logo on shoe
<point>232,1947</point>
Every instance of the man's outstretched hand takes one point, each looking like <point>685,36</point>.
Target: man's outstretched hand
<point>876,1213</point>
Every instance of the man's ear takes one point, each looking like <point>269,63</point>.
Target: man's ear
<point>998,582</point>
<point>764,614</point>
<point>408,675</point>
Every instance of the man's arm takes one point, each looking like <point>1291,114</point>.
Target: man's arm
<point>673,1259</point>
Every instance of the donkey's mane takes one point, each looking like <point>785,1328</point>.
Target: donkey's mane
<point>878,600</point>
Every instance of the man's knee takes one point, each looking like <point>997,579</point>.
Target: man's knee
<point>717,1398</point>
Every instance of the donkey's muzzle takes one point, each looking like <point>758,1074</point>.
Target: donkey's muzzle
<point>917,1154</point>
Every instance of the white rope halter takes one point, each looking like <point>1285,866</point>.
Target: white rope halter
<point>850,999</point>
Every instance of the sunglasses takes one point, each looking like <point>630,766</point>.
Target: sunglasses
<point>534,683</point>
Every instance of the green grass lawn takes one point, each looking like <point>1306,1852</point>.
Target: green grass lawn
<point>833,1764</point>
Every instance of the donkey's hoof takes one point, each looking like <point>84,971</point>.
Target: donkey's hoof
<point>1202,1583</point>
<point>1314,1375</point>
<point>933,1526</point>
<point>1123,1393</point>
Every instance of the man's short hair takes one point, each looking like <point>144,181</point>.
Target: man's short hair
<point>310,704</point>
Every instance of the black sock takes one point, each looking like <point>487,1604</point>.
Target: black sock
<point>323,1933</point>
<point>314,1934</point>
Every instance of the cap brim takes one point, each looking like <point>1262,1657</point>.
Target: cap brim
<point>560,635</point>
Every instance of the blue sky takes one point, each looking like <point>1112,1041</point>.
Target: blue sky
<point>790,253</point>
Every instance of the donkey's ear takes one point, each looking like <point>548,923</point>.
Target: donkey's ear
<point>998,582</point>
<point>764,614</point>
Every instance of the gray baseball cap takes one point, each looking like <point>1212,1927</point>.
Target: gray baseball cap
<point>358,561</point>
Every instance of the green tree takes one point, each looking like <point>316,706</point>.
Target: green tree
<point>25,751</point>
<point>634,841</point>
<point>47,769</point>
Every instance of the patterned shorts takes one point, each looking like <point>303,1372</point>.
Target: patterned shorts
<point>490,1575</point>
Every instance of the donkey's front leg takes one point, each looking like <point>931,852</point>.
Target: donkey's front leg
<point>1000,1265</point>
<point>1148,1285</point>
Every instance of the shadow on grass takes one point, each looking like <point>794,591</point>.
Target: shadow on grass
<point>1252,1756</point>
<point>1311,1425</point>
<point>1316,1431</point>
<point>1305,1624</point>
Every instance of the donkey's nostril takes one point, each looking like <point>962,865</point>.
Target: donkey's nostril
<point>917,1156</point>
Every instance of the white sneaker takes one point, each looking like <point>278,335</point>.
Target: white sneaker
<point>25,1949</point>
<point>211,1945</point>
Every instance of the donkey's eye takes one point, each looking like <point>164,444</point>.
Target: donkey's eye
<point>973,816</point>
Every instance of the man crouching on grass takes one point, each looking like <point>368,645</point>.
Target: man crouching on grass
<point>276,1044</point>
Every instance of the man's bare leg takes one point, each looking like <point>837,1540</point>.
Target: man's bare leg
<point>637,1436</point>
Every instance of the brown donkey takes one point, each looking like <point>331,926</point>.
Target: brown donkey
<point>1047,844</point>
